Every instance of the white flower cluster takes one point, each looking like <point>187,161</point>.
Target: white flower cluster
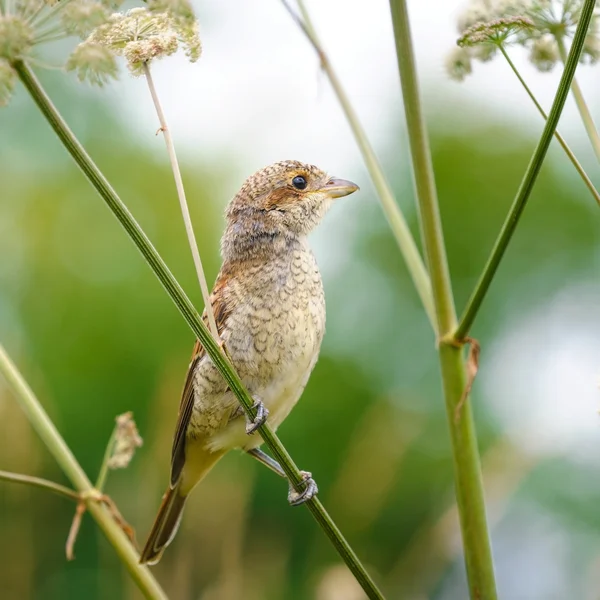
<point>139,35</point>
<point>538,25</point>
<point>126,441</point>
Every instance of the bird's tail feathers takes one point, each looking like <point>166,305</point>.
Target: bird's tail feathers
<point>198,463</point>
<point>165,526</point>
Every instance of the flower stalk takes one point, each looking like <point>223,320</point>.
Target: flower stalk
<point>582,107</point>
<point>578,167</point>
<point>185,211</point>
<point>104,467</point>
<point>120,449</point>
<point>191,316</point>
<point>529,179</point>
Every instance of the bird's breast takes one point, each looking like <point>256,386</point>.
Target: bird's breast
<point>273,334</point>
<point>279,317</point>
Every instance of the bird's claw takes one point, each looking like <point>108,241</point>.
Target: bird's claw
<point>310,490</point>
<point>262,412</point>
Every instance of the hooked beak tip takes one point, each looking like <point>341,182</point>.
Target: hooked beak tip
<point>338,188</point>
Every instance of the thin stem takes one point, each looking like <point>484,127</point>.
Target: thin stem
<point>103,473</point>
<point>530,177</point>
<point>50,38</point>
<point>192,318</point>
<point>52,439</point>
<point>467,468</point>
<point>557,135</point>
<point>61,490</point>
<point>36,11</point>
<point>44,65</point>
<point>584,111</point>
<point>52,29</point>
<point>43,17</point>
<point>187,219</point>
<point>392,211</point>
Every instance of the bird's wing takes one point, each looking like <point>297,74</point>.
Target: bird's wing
<point>186,406</point>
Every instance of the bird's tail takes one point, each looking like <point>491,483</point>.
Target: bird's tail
<point>165,525</point>
<point>198,462</point>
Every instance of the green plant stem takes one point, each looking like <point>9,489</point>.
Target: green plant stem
<point>191,316</point>
<point>44,484</point>
<point>557,135</point>
<point>56,445</point>
<point>392,211</point>
<point>530,177</point>
<point>467,468</point>
<point>103,473</point>
<point>584,111</point>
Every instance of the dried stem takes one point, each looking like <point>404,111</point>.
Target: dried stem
<point>392,211</point>
<point>74,531</point>
<point>183,202</point>
<point>557,135</point>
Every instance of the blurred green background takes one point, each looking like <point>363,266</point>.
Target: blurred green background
<point>95,335</point>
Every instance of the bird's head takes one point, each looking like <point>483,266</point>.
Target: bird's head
<point>288,199</point>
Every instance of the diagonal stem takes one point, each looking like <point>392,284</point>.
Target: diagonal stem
<point>57,446</point>
<point>557,135</point>
<point>191,316</point>
<point>530,177</point>
<point>465,453</point>
<point>392,211</point>
<point>582,107</point>
<point>185,211</point>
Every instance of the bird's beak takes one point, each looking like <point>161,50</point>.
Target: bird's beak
<point>337,188</point>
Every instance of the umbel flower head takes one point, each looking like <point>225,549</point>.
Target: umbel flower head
<point>25,25</point>
<point>536,25</point>
<point>458,63</point>
<point>126,440</point>
<point>480,41</point>
<point>139,35</point>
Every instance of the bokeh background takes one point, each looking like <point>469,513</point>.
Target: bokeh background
<point>94,333</point>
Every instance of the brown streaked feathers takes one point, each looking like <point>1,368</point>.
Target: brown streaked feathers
<point>269,307</point>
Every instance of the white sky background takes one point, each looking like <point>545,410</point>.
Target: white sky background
<point>257,96</point>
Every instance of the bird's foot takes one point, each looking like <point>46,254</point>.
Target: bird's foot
<point>262,412</point>
<point>310,490</point>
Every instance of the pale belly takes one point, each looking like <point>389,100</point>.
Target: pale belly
<point>273,337</point>
<point>279,397</point>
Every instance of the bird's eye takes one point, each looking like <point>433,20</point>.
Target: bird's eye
<point>299,182</point>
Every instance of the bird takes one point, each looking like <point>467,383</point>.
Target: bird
<point>269,307</point>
